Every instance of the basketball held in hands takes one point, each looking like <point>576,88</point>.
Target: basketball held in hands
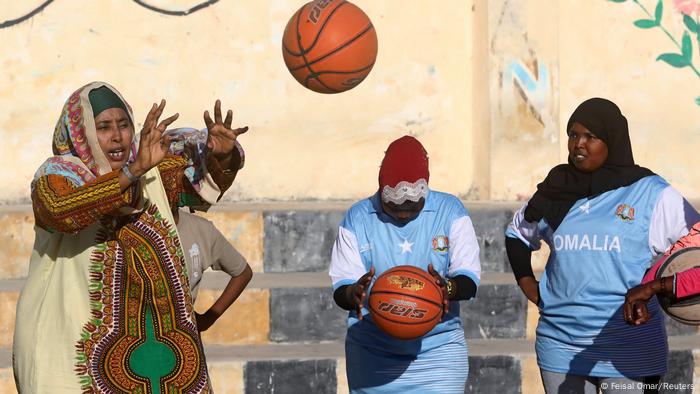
<point>405,302</point>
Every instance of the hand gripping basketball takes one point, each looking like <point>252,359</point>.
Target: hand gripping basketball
<point>358,291</point>
<point>442,283</point>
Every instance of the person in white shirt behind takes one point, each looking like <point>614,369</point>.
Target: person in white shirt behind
<point>205,247</point>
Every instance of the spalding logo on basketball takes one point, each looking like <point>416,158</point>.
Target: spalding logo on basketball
<point>405,302</point>
<point>685,310</point>
<point>329,46</point>
<point>404,282</point>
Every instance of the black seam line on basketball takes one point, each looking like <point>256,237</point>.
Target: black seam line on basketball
<point>669,260</point>
<point>404,294</point>
<point>359,35</point>
<point>297,15</point>
<point>303,51</point>
<point>297,34</point>
<point>323,26</point>
<point>301,48</point>
<point>316,74</point>
<point>437,316</point>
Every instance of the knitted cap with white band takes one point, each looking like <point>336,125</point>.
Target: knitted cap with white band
<point>405,191</point>
<point>404,173</point>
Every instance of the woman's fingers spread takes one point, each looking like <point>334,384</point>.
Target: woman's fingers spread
<point>217,111</point>
<point>167,121</point>
<point>207,120</point>
<point>229,119</point>
<point>159,111</point>
<point>240,130</point>
<point>149,120</point>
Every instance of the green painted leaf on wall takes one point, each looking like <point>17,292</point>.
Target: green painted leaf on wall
<point>645,23</point>
<point>697,100</point>
<point>687,47</point>
<point>690,23</point>
<point>659,12</point>
<point>674,59</point>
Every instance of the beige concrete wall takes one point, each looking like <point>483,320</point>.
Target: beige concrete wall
<point>601,52</point>
<point>486,85</point>
<point>301,144</point>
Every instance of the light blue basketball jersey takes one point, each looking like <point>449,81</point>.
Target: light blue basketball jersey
<point>437,362</point>
<point>599,251</point>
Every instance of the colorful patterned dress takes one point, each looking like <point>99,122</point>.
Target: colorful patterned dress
<point>106,307</point>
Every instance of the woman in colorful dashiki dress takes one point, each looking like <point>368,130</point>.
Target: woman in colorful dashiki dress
<point>106,307</point>
<point>405,223</point>
<point>604,219</point>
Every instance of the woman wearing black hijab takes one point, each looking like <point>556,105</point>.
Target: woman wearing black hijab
<point>604,219</point>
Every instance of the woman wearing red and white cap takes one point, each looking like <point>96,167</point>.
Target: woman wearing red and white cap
<point>405,223</point>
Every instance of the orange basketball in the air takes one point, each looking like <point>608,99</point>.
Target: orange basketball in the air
<point>329,46</point>
<point>405,302</point>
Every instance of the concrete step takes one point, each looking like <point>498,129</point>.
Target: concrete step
<point>299,307</point>
<point>495,366</point>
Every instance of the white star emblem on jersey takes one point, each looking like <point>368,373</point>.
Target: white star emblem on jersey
<point>406,246</point>
<point>585,208</point>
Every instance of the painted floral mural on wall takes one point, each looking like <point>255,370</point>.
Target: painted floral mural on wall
<point>690,9</point>
<point>687,7</point>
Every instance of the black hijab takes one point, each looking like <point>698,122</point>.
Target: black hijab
<point>564,184</point>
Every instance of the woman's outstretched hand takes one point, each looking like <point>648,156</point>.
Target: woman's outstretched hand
<point>153,144</point>
<point>221,138</point>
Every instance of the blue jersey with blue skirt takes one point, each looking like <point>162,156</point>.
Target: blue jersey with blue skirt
<point>441,235</point>
<point>601,249</point>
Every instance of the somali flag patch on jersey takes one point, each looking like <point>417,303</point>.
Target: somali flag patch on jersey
<point>441,243</point>
<point>625,212</point>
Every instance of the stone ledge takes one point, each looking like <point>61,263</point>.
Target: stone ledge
<point>217,280</point>
<point>336,350</point>
<point>274,237</point>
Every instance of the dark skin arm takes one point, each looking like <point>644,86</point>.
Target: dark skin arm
<point>635,309</point>
<point>233,290</point>
<point>531,288</point>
